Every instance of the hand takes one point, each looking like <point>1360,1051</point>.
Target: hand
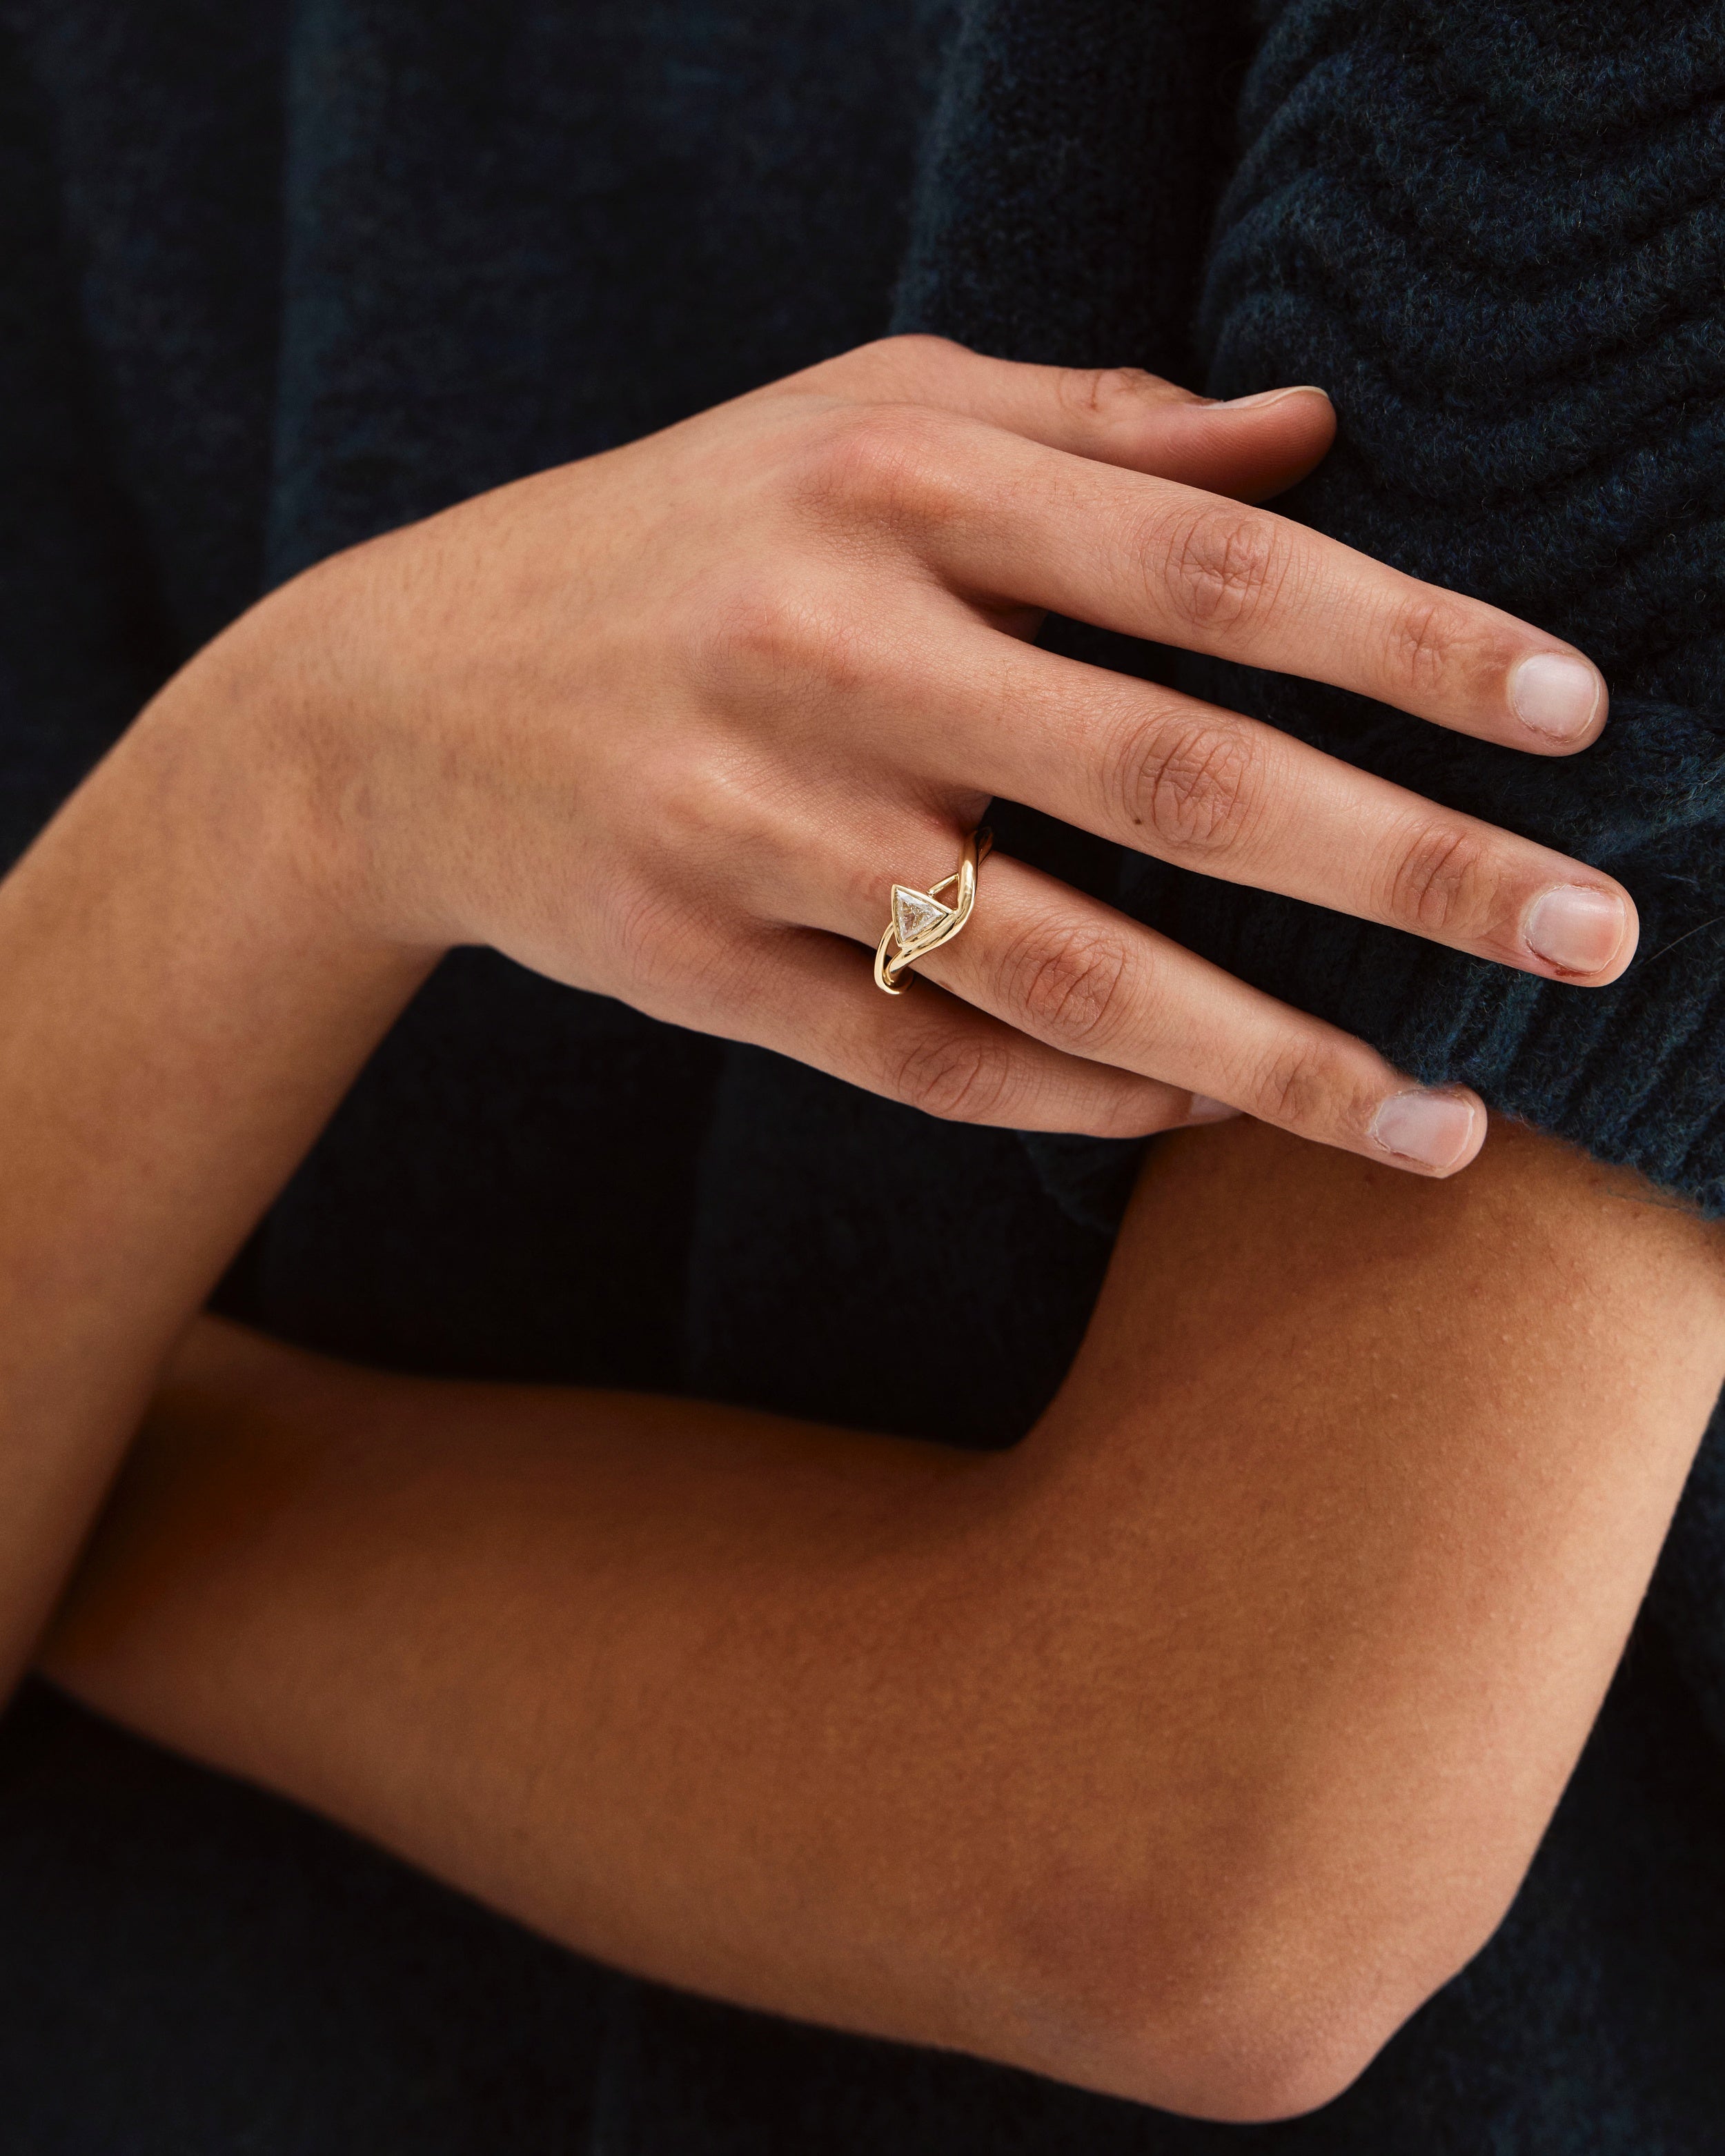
<point>666,724</point>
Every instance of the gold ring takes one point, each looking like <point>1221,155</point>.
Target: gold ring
<point>922,923</point>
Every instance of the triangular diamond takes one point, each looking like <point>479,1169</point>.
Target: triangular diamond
<point>914,913</point>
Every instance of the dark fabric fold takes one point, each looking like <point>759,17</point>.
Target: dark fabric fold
<point>1493,235</point>
<point>1068,180</point>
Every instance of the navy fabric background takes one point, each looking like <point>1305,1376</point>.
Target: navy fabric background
<point>281,274</point>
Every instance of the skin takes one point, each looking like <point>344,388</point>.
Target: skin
<point>656,724</point>
<point>662,725</point>
<point>1180,1752</point>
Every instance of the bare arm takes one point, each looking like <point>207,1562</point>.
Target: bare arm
<point>663,724</point>
<point>1182,1752</point>
<point>183,1008</point>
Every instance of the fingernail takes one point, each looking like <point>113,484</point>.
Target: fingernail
<point>1435,1129</point>
<point>1575,928</point>
<point>1204,1110</point>
<point>1555,694</point>
<point>1276,396</point>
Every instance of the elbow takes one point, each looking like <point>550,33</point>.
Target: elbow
<point>1245,2014</point>
<point>1251,2060</point>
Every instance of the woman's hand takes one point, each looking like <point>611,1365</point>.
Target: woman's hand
<point>667,723</point>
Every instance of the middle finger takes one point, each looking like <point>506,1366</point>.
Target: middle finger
<point>1232,797</point>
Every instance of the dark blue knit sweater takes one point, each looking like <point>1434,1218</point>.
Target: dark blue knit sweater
<point>281,273</point>
<point>1493,234</point>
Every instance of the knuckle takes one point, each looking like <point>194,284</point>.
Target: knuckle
<point>752,637</point>
<point>1441,884</point>
<point>1222,566</point>
<point>1104,394</point>
<point>1422,643</point>
<point>1436,648</point>
<point>1189,783</point>
<point>959,1079</point>
<point>885,463</point>
<point>1065,981</point>
<point>1299,1088</point>
<point>744,628</point>
<point>1122,1112</point>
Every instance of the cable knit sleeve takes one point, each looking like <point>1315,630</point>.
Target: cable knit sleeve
<point>1493,232</point>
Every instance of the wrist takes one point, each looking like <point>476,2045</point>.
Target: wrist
<point>259,772</point>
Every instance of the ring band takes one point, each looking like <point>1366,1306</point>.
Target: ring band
<point>922,921</point>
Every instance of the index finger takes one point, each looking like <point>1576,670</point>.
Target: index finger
<point>1249,448</point>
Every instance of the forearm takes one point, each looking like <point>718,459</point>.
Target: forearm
<point>1235,1700</point>
<point>571,1651</point>
<point>183,1008</point>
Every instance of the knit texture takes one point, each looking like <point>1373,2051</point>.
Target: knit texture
<point>281,273</point>
<point>1069,179</point>
<point>1493,233</point>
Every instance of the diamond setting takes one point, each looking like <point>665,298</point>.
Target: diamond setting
<point>914,913</point>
